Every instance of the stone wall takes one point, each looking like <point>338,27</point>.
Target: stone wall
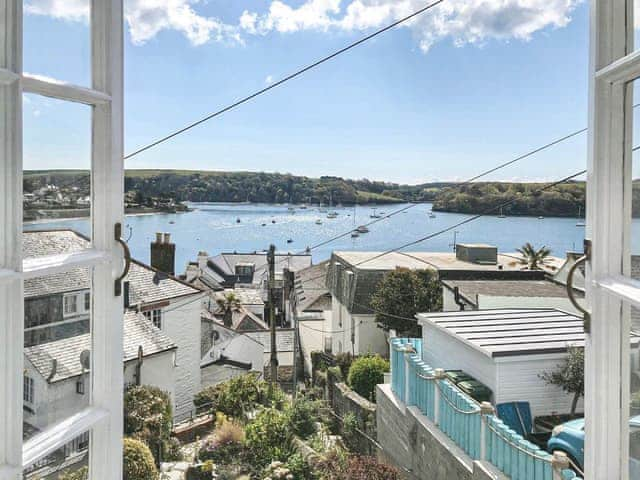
<point>410,441</point>
<point>345,401</point>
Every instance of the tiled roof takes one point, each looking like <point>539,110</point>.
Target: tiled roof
<point>311,288</point>
<point>138,331</point>
<point>284,339</point>
<point>147,285</point>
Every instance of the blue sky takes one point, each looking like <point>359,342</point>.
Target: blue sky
<point>464,88</point>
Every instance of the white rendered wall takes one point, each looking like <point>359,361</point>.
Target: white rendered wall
<point>181,323</point>
<point>157,371</point>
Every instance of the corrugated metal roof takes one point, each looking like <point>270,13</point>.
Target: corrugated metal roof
<point>512,332</point>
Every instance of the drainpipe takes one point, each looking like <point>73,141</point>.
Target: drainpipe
<point>139,366</point>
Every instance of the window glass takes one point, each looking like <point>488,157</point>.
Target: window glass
<point>56,178</point>
<point>57,360</point>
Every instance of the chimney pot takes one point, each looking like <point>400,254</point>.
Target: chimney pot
<point>167,238</point>
<point>158,237</point>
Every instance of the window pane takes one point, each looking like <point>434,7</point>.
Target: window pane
<point>72,457</point>
<point>57,42</point>
<point>57,161</point>
<point>57,345</point>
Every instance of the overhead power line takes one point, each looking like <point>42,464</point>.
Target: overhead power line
<point>285,79</point>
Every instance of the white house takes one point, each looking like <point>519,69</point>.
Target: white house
<point>56,381</point>
<point>506,350</point>
<point>311,311</point>
<point>352,278</point>
<point>57,306</point>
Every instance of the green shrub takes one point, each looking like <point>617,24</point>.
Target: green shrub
<point>239,396</point>
<point>268,437</point>
<point>148,417</point>
<point>343,362</point>
<point>137,461</point>
<point>80,474</point>
<point>367,372</point>
<point>336,373</point>
<point>299,467</point>
<point>303,415</point>
<point>350,431</point>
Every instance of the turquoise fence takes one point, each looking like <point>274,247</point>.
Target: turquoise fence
<point>473,427</point>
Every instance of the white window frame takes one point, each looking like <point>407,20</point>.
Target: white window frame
<point>154,316</point>
<point>28,394</point>
<point>69,300</point>
<point>103,417</point>
<point>610,291</point>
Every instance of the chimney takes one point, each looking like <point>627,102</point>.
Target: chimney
<point>202,259</point>
<point>125,294</point>
<point>163,253</point>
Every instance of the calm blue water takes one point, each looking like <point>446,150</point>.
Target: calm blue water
<point>212,227</point>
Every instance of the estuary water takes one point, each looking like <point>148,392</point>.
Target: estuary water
<point>218,227</point>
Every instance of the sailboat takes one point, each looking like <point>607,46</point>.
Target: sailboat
<point>502,215</point>
<point>332,213</point>
<point>580,222</point>
<point>374,214</point>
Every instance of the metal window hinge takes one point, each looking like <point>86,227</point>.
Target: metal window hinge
<point>586,257</point>
<point>127,259</point>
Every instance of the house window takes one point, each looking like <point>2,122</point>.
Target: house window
<point>102,417</point>
<point>154,316</point>
<point>27,389</point>
<point>87,302</point>
<point>70,304</point>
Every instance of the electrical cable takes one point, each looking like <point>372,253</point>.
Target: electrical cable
<point>284,80</point>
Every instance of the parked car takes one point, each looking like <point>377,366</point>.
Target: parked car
<point>569,438</point>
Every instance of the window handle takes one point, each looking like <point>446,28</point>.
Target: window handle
<point>586,315</point>
<point>127,259</point>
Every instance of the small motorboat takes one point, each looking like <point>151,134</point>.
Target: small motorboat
<point>289,240</point>
<point>432,215</point>
<point>273,221</point>
<point>238,220</point>
<point>171,222</point>
<point>264,224</point>
<point>540,217</point>
<point>332,215</point>
<point>355,234</point>
<point>362,229</point>
<point>318,222</point>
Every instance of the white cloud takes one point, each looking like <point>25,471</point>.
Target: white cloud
<point>269,79</point>
<point>146,18</point>
<point>462,21</point>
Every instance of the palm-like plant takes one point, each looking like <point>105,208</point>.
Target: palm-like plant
<point>533,258</point>
<point>228,303</point>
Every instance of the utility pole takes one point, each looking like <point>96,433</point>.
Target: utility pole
<point>289,280</point>
<point>271,259</point>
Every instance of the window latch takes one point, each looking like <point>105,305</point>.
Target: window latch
<point>586,257</point>
<point>127,259</point>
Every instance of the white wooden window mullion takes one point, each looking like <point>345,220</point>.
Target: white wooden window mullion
<point>107,209</point>
<point>608,209</point>
<point>11,311</point>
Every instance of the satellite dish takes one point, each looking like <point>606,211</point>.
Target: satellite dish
<point>85,359</point>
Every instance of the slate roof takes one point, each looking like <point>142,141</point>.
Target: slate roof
<point>284,339</point>
<point>311,288</point>
<point>147,285</point>
<point>137,331</point>
<point>469,289</point>
<point>512,332</point>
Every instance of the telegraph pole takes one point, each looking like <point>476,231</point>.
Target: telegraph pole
<point>271,259</point>
<point>289,280</point>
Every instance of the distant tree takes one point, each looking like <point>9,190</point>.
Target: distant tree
<point>228,303</point>
<point>569,375</point>
<point>401,295</point>
<point>532,258</point>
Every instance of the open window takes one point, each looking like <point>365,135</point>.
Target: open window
<point>96,424</point>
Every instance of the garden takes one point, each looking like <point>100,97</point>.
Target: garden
<point>262,434</point>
